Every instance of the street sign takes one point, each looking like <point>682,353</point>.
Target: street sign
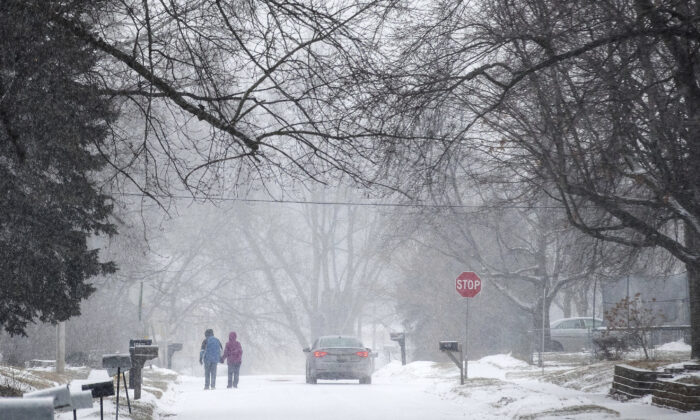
<point>468,284</point>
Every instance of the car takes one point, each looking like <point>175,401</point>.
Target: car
<point>339,357</point>
<point>573,334</point>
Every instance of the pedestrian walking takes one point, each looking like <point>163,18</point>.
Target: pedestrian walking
<point>233,354</point>
<point>209,356</point>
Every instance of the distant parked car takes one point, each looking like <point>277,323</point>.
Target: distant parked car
<point>339,357</point>
<point>573,334</point>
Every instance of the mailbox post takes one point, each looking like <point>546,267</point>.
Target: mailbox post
<point>450,347</point>
<point>140,351</point>
<point>401,339</point>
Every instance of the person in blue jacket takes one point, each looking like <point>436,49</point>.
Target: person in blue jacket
<point>209,356</point>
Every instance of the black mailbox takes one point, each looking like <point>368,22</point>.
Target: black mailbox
<point>144,352</point>
<point>140,351</point>
<point>401,339</point>
<point>450,346</point>
<point>140,342</point>
<point>116,361</point>
<point>100,389</point>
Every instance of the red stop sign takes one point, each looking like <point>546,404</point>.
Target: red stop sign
<point>468,284</point>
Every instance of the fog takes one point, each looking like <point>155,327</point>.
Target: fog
<point>300,169</point>
<point>281,273</point>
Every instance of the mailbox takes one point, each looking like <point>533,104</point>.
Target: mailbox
<point>80,399</point>
<point>172,348</point>
<point>401,339</point>
<point>450,346</point>
<point>100,389</point>
<point>140,351</point>
<point>140,342</point>
<point>114,362</point>
<point>60,395</point>
<point>143,352</point>
<point>39,408</point>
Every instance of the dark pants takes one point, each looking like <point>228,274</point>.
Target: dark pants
<point>233,369</point>
<point>210,374</point>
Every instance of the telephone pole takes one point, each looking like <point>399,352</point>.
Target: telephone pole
<point>61,347</point>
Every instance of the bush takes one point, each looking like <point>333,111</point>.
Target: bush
<point>631,321</point>
<point>610,346</point>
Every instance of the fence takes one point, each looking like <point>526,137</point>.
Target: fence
<point>578,346</point>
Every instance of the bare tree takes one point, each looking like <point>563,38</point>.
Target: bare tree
<point>595,103</point>
<point>323,266</point>
<point>230,90</point>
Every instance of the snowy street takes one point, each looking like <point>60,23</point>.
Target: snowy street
<point>275,397</point>
<point>420,390</point>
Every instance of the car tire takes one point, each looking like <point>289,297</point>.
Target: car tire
<point>367,380</point>
<point>309,379</point>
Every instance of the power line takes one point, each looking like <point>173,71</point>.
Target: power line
<point>335,203</point>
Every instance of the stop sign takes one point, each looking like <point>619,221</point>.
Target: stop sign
<point>468,284</point>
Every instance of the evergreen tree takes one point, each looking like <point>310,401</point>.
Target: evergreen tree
<point>52,121</point>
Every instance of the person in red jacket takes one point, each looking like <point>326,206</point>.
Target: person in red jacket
<point>233,354</point>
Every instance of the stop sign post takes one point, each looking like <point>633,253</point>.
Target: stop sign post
<point>468,285</point>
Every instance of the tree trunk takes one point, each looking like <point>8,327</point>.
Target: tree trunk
<point>537,324</point>
<point>566,303</point>
<point>581,301</point>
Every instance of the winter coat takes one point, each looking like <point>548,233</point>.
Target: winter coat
<point>211,350</point>
<point>233,353</point>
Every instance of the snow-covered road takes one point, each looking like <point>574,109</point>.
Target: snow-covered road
<point>420,390</point>
<point>289,397</point>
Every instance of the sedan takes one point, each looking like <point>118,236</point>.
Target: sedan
<point>573,334</point>
<point>339,357</point>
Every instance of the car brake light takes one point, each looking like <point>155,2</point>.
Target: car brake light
<point>320,353</point>
<point>362,353</point>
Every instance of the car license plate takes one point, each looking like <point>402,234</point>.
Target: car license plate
<point>341,359</point>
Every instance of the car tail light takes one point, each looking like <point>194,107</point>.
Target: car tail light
<point>362,353</point>
<point>320,353</point>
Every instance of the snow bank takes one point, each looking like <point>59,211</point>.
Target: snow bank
<point>503,361</point>
<point>415,370</point>
<point>160,370</point>
<point>495,366</point>
<point>678,346</point>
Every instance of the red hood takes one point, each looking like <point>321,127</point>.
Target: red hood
<point>232,336</point>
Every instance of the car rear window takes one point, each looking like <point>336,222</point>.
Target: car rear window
<point>339,342</point>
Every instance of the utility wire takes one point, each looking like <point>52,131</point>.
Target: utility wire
<point>337,203</point>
